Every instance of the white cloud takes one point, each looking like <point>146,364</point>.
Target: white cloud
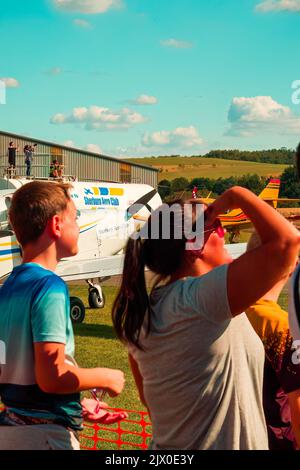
<point>91,7</point>
<point>181,138</point>
<point>10,82</point>
<point>176,44</point>
<point>100,118</point>
<point>54,71</point>
<point>146,100</point>
<point>69,143</point>
<point>82,23</point>
<point>249,116</point>
<point>130,151</point>
<point>278,5</point>
<point>94,148</point>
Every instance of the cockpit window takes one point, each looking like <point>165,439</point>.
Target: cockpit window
<point>4,223</point>
<point>3,218</point>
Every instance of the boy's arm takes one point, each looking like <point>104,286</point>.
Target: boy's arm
<point>54,375</point>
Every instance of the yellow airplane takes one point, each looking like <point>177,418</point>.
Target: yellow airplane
<point>236,220</point>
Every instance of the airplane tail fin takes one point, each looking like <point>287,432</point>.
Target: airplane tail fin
<point>271,192</point>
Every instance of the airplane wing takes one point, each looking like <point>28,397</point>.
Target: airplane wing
<point>204,200</point>
<point>236,249</point>
<point>113,265</point>
<point>282,199</point>
<point>90,268</point>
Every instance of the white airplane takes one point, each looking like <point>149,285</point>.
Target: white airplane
<point>107,214</point>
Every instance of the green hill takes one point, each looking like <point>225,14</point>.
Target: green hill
<point>193,167</point>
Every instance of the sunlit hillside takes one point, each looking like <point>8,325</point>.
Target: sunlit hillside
<point>193,167</point>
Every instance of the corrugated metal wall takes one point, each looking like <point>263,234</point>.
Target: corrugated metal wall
<point>89,167</point>
<point>142,175</point>
<point>85,166</point>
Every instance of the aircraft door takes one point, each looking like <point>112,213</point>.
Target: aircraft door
<point>113,232</point>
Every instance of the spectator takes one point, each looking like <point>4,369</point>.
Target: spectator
<point>294,323</point>
<point>28,152</point>
<point>12,149</point>
<point>56,169</point>
<point>197,363</point>
<point>53,169</point>
<point>60,168</point>
<point>194,192</point>
<point>281,376</point>
<point>294,297</point>
<point>38,386</point>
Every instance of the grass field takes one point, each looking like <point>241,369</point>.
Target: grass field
<point>97,346</point>
<point>193,167</point>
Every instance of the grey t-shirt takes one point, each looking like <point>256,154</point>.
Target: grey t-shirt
<point>202,369</point>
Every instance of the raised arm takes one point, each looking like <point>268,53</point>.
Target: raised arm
<point>254,273</point>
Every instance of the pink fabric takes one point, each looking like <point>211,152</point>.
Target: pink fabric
<point>96,412</point>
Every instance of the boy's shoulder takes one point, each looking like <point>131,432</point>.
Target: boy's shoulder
<point>34,273</point>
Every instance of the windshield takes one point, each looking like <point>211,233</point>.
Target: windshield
<point>4,206</point>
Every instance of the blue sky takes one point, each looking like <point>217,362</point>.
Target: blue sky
<point>150,77</point>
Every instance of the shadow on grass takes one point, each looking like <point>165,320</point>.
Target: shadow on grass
<point>94,331</point>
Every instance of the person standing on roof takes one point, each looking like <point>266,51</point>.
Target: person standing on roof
<point>12,149</point>
<point>28,153</point>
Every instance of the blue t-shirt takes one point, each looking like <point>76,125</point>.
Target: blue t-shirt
<point>34,307</point>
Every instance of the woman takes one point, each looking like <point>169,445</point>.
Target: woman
<point>197,362</point>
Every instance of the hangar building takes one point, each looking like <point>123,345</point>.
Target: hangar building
<point>84,165</point>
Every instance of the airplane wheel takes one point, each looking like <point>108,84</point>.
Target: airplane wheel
<point>77,310</point>
<point>94,299</point>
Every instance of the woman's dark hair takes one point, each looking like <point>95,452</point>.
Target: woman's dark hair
<point>162,256</point>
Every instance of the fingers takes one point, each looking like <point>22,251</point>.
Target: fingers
<point>211,214</point>
<point>118,382</point>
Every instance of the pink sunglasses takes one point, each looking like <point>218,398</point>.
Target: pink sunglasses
<point>215,227</point>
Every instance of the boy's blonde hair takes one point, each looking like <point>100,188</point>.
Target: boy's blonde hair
<point>33,205</point>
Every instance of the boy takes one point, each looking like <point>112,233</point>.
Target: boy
<point>38,386</point>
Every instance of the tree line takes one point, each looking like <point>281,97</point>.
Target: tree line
<point>276,156</point>
<point>168,190</point>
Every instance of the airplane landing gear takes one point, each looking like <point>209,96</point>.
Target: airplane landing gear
<point>77,310</point>
<point>96,295</point>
